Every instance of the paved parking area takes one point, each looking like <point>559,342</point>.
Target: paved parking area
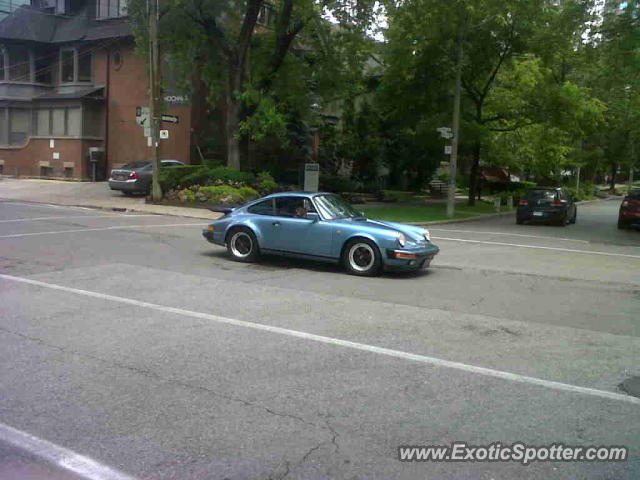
<point>129,341</point>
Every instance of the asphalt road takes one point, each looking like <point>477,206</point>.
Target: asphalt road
<point>134,348</point>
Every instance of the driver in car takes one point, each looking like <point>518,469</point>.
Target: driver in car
<point>301,212</point>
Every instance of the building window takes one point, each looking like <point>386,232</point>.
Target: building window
<point>111,8</point>
<point>19,125</point>
<point>67,62</point>
<point>43,122</point>
<point>19,64</point>
<point>84,66</point>
<point>44,66</point>
<point>59,122</point>
<point>76,66</point>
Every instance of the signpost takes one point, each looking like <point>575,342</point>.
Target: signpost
<point>311,177</point>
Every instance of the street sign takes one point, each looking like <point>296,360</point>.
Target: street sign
<point>445,132</point>
<point>447,149</point>
<point>164,134</point>
<point>170,118</point>
<point>142,116</point>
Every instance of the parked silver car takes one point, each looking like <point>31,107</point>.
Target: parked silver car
<point>135,177</point>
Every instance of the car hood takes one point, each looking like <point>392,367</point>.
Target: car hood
<point>412,231</point>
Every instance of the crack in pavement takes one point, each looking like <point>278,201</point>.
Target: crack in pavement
<point>172,381</point>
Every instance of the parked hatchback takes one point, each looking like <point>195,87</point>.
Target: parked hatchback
<point>630,210</point>
<point>135,177</point>
<point>549,205</point>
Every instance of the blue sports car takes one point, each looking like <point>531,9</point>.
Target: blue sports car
<point>320,226</point>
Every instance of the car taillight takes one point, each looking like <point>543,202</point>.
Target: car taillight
<point>523,202</point>
<point>134,176</point>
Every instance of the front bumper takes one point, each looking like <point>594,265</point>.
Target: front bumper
<point>410,258</point>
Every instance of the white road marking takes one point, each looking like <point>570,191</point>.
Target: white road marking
<point>60,456</point>
<point>509,234</point>
<point>114,215</point>
<point>438,362</point>
<point>119,227</point>
<point>537,247</point>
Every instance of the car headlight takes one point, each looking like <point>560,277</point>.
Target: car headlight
<point>427,235</point>
<point>402,240</point>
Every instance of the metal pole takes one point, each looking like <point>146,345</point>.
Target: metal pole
<point>633,163</point>
<point>154,97</point>
<point>451,191</point>
<point>578,180</point>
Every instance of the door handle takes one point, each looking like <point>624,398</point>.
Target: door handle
<point>276,224</point>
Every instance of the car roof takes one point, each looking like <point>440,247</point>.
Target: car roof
<point>298,194</point>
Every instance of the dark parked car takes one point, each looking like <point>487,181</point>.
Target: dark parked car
<point>630,210</point>
<point>549,205</point>
<point>135,177</point>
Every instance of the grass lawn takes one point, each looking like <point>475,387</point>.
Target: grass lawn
<point>427,213</point>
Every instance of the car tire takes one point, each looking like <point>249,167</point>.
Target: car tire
<point>575,216</point>
<point>362,257</point>
<point>242,245</point>
<point>519,221</point>
<point>127,194</point>
<point>622,225</point>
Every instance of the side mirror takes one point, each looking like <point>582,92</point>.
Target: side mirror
<point>313,216</point>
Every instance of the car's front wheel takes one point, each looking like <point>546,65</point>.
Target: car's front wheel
<point>242,245</point>
<point>362,257</point>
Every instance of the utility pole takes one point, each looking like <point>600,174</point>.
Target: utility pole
<point>453,162</point>
<point>154,98</point>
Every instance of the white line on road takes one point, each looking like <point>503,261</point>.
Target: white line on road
<point>438,362</point>
<point>59,456</point>
<point>537,247</point>
<point>508,234</point>
<point>114,215</point>
<point>119,227</point>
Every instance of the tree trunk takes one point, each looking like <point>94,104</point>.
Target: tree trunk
<point>473,175</point>
<point>612,183</point>
<point>232,128</point>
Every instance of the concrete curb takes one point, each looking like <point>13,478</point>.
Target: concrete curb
<point>162,210</point>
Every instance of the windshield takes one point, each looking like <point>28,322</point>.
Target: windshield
<point>333,206</point>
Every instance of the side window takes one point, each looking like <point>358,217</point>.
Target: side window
<point>296,207</point>
<point>262,208</point>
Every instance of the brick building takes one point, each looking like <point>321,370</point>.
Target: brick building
<point>70,82</point>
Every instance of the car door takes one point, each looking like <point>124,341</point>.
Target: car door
<point>264,222</point>
<point>296,232</point>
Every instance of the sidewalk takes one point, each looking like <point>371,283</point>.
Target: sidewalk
<point>91,195</point>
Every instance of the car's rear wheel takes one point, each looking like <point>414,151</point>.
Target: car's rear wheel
<point>242,245</point>
<point>622,225</point>
<point>575,216</point>
<point>519,221</point>
<point>362,257</point>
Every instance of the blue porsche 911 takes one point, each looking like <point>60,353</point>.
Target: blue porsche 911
<point>320,226</point>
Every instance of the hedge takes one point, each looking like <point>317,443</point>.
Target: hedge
<point>188,175</point>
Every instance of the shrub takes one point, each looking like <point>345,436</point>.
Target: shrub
<point>213,176</point>
<point>173,177</point>
<point>226,194</point>
<point>336,183</point>
<point>396,196</point>
<point>267,186</point>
